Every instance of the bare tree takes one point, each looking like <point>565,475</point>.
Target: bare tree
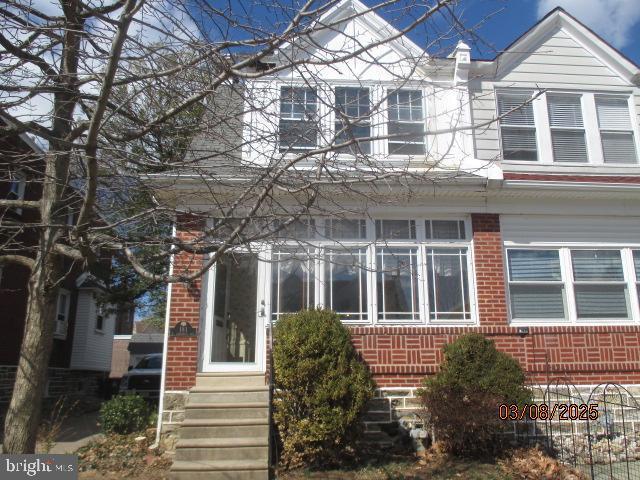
<point>152,111</point>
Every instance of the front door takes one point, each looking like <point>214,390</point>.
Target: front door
<point>234,331</point>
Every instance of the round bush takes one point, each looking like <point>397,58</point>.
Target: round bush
<point>322,388</point>
<point>125,414</point>
<point>462,400</point>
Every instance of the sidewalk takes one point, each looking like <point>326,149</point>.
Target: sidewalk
<point>76,432</point>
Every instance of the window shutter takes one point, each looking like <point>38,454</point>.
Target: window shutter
<point>567,128</point>
<point>618,144</point>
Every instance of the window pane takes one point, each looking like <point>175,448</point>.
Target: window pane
<point>353,102</point>
<point>448,288</point>
<point>519,143</point>
<point>220,299</point>
<point>613,113</point>
<point>396,229</point>
<point>346,133</point>
<point>601,301</point>
<point>405,105</point>
<point>565,111</point>
<point>344,229</point>
<point>346,283</point>
<point>569,146</point>
<point>397,284</point>
<point>537,301</point>
<point>297,230</point>
<point>445,229</point>
<point>406,148</point>
<point>618,147</point>
<point>298,134</point>
<point>636,263</point>
<point>409,132</point>
<point>534,265</point>
<point>524,113</point>
<point>597,265</point>
<point>298,126</point>
<point>292,282</point>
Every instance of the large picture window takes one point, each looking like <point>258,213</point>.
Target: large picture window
<point>572,285</point>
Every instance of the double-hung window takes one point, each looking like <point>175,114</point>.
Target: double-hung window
<point>62,314</point>
<point>599,285</point>
<point>298,128</point>
<point>517,126</point>
<point>567,128</point>
<point>406,127</point>
<point>353,110</point>
<point>616,132</point>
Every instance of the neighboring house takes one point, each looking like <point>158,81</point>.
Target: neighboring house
<point>536,245</point>
<point>130,348</point>
<point>81,354</point>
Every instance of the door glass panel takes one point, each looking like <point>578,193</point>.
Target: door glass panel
<point>234,322</point>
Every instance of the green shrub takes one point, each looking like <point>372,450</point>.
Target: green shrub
<point>322,388</point>
<point>125,414</point>
<point>462,400</point>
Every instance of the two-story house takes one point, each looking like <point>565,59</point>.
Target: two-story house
<point>533,241</point>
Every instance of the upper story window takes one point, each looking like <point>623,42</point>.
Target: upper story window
<point>556,127</point>
<point>298,129</point>
<point>567,128</point>
<point>616,132</point>
<point>17,188</point>
<point>517,126</point>
<point>353,108</point>
<point>62,314</point>
<point>406,120</point>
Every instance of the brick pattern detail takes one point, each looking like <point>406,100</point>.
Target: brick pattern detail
<point>489,269</point>
<point>182,352</point>
<point>572,178</point>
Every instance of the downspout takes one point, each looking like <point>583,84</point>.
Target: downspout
<point>164,350</point>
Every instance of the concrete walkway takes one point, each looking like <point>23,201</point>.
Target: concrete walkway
<point>76,432</point>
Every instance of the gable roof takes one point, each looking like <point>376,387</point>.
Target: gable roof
<point>556,19</point>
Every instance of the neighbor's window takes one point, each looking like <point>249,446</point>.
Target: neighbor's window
<point>448,284</point>
<point>616,132</point>
<point>567,128</point>
<point>346,283</point>
<point>599,284</point>
<point>298,127</point>
<point>397,284</point>
<point>353,109</point>
<point>536,289</point>
<point>517,126</point>
<point>406,119</point>
<point>292,281</point>
<point>62,314</point>
<point>17,188</point>
<point>99,318</point>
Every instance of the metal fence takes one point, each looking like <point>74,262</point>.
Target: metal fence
<point>596,432</point>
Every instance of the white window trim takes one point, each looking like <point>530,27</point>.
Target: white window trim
<point>104,319</point>
<point>386,120</point>
<point>568,281</point>
<point>61,336</point>
<point>292,151</point>
<point>370,243</point>
<point>595,155</point>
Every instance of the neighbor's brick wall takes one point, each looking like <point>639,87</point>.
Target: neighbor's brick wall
<point>182,352</point>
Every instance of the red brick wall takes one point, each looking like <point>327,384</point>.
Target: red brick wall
<point>182,352</point>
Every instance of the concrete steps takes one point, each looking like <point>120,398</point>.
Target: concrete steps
<point>225,433</point>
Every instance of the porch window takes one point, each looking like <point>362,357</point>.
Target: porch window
<point>445,229</point>
<point>448,284</point>
<point>535,284</point>
<point>406,121</point>
<point>636,265</point>
<point>292,281</point>
<point>517,126</point>
<point>62,314</point>
<point>353,109</point>
<point>616,132</point>
<point>345,279</point>
<point>345,229</point>
<point>395,229</point>
<point>567,128</point>
<point>298,129</point>
<point>397,284</point>
<point>599,284</point>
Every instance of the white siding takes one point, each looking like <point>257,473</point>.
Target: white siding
<point>91,349</point>
<point>559,62</point>
<point>524,229</point>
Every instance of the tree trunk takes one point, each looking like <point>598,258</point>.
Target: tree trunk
<point>23,416</point>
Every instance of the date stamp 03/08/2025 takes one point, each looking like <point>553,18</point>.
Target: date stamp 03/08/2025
<point>558,411</point>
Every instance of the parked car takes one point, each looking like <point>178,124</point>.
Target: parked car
<point>144,378</point>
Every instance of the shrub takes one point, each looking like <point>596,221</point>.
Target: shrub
<point>322,388</point>
<point>462,400</point>
<point>125,414</point>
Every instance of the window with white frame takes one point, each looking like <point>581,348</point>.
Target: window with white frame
<point>298,128</point>
<point>99,318</point>
<point>567,128</point>
<point>406,123</point>
<point>395,229</point>
<point>62,314</point>
<point>397,284</point>
<point>636,269</point>
<point>445,229</point>
<point>616,132</point>
<point>345,282</point>
<point>292,281</point>
<point>345,229</point>
<point>570,284</point>
<point>517,126</point>
<point>448,280</point>
<point>352,111</point>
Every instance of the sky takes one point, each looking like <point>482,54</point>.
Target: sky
<point>617,21</point>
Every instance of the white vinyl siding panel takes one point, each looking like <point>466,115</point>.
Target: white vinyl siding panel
<point>91,349</point>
